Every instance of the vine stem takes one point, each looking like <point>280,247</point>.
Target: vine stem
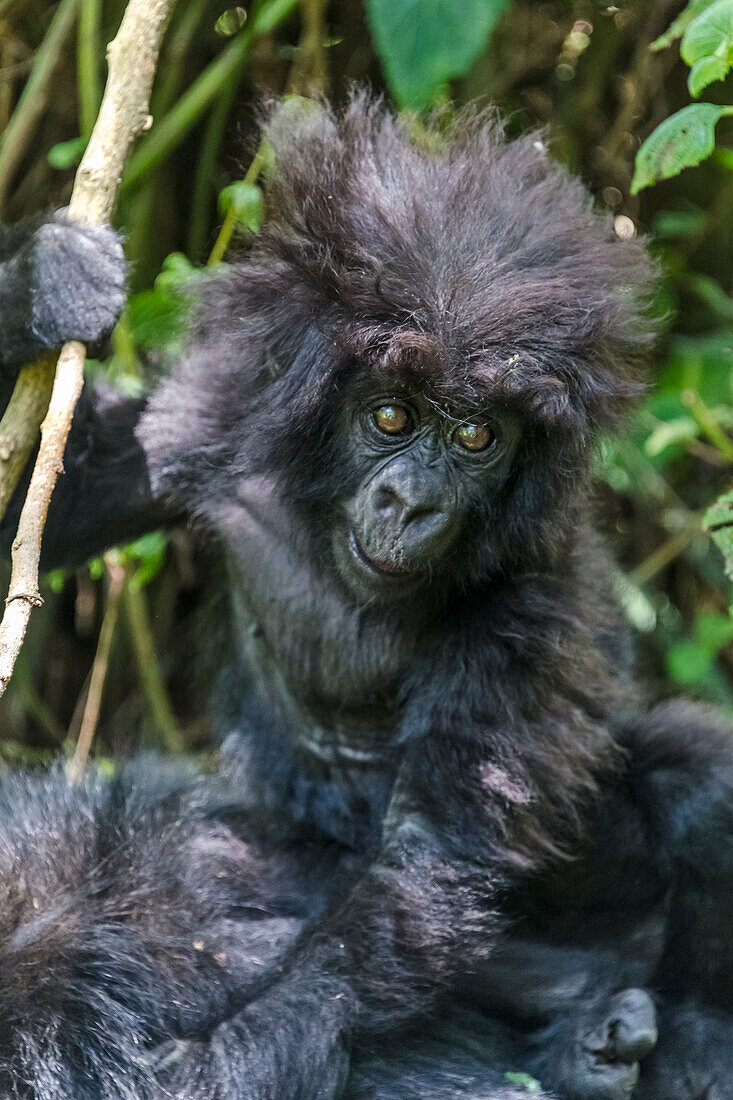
<point>132,58</point>
<point>90,718</point>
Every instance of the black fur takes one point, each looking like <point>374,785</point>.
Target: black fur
<point>58,282</point>
<point>423,729</point>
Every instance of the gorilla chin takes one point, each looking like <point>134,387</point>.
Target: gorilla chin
<point>371,578</point>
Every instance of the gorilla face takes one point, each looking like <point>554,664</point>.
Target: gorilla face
<point>421,465</point>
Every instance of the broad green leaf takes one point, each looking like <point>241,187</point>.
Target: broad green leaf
<point>710,34</point>
<point>680,24</point>
<point>718,521</point>
<point>424,43</point>
<point>681,141</point>
<point>706,71</point>
<point>708,45</point>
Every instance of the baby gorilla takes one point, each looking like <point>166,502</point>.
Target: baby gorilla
<point>384,426</point>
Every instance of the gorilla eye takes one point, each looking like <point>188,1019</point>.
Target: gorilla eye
<point>474,437</point>
<point>392,419</point>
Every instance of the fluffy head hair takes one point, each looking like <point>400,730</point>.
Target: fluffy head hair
<point>455,243</point>
<point>444,251</point>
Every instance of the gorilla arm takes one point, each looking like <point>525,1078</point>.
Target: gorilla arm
<point>425,910</point>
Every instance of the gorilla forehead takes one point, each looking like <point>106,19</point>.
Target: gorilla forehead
<point>483,248</point>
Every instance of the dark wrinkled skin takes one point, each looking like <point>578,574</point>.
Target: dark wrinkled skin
<point>447,840</point>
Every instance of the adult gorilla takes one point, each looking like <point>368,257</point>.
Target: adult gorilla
<point>384,424</point>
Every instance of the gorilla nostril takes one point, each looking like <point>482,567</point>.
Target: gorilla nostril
<point>388,500</point>
<point>426,521</point>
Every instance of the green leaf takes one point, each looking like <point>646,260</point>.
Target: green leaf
<point>525,1082</point>
<point>713,631</point>
<point>245,202</point>
<point>708,45</point>
<point>671,224</point>
<point>67,154</point>
<point>680,430</point>
<point>725,158</point>
<point>718,520</point>
<point>680,24</point>
<point>703,363</point>
<point>146,554</point>
<point>681,141</point>
<point>706,71</point>
<point>424,43</point>
<point>710,34</point>
<point>230,21</point>
<point>688,662</point>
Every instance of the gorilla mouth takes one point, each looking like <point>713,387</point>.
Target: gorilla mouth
<point>382,569</point>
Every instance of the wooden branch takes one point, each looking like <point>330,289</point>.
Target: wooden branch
<point>132,59</point>
<point>90,718</point>
<point>21,423</point>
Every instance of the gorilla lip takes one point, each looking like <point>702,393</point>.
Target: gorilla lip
<point>387,569</point>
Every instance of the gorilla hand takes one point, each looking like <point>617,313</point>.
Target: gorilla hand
<point>59,281</point>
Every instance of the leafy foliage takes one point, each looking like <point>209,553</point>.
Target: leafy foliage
<point>678,27</point>
<point>707,45</point>
<point>681,141</point>
<point>425,43</point>
<point>719,522</point>
<point>688,137</point>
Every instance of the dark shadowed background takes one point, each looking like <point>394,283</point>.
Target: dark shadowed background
<point>580,69</point>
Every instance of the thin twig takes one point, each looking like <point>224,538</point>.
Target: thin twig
<point>90,717</point>
<point>309,74</point>
<point>665,554</point>
<point>123,114</point>
<point>148,665</point>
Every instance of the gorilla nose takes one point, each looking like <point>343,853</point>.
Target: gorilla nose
<point>419,516</point>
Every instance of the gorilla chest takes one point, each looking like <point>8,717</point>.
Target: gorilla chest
<point>336,697</point>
